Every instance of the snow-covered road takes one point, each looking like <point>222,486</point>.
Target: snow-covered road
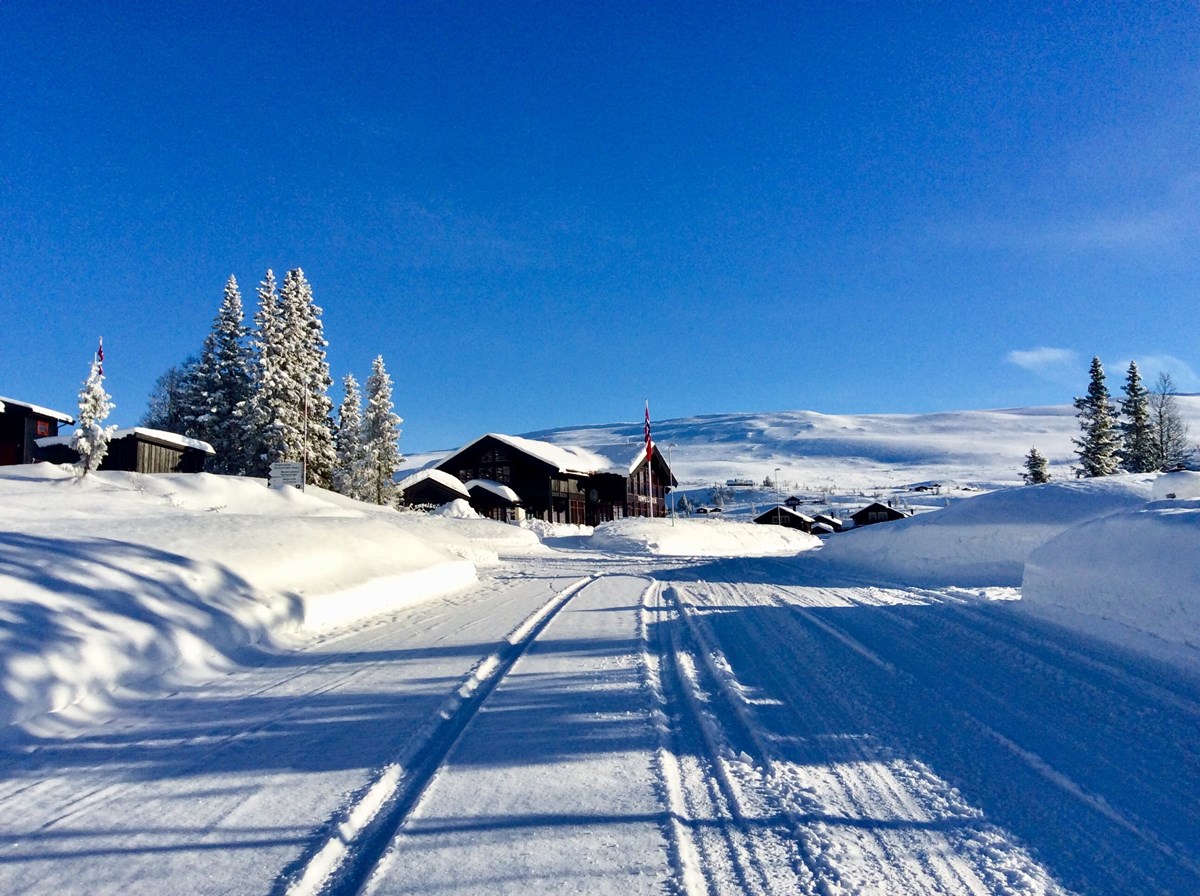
<point>589,724</point>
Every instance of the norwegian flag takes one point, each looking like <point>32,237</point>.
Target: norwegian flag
<point>649,446</point>
<point>100,357</point>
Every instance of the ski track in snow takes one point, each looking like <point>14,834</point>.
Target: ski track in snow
<point>344,860</point>
<point>699,726</point>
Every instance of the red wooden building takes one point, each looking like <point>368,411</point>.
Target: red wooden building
<point>21,424</point>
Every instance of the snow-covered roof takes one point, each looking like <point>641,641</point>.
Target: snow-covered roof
<point>563,459</point>
<point>800,516</point>
<point>496,488</point>
<point>43,412</point>
<point>622,459</point>
<point>436,475</point>
<point>154,435</point>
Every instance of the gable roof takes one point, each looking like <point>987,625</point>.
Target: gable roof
<point>435,475</point>
<point>40,411</point>
<point>496,488</point>
<point>784,510</point>
<point>878,506</point>
<point>162,437</point>
<point>569,459</point>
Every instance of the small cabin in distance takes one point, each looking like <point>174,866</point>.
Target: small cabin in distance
<point>786,517</point>
<point>21,425</point>
<point>877,513</point>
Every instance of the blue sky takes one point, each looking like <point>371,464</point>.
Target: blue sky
<point>543,214</point>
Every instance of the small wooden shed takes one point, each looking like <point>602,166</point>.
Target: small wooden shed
<point>495,500</point>
<point>137,450</point>
<point>431,487</point>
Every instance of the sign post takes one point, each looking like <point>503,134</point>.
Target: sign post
<point>286,473</point>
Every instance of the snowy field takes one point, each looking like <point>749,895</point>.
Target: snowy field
<point>210,687</point>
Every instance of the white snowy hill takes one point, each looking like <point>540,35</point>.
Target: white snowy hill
<point>814,451</point>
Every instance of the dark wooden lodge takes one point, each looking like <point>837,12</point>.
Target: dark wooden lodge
<point>560,484</point>
<point>21,425</point>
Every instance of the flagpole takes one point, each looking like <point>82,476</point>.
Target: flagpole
<point>649,462</point>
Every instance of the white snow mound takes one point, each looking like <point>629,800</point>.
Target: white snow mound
<point>1131,578</point>
<point>700,538</point>
<point>983,540</point>
<point>116,578</point>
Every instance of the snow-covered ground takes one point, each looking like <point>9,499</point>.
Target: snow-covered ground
<point>212,687</point>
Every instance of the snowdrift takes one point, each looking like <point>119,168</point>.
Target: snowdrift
<point>116,578</point>
<point>700,538</point>
<point>1130,578</point>
<point>984,540</point>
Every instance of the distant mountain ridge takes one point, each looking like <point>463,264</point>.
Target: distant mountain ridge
<point>984,448</point>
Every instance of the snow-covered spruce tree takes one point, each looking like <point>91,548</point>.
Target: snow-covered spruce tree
<point>224,389</point>
<point>381,435</point>
<point>1097,449</point>
<point>350,475</point>
<point>1169,433</point>
<point>293,375</point>
<point>1037,469</point>
<point>262,433</point>
<point>1137,444</point>
<point>91,439</point>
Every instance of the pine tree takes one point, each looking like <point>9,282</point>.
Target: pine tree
<point>1097,449</point>
<point>224,388</point>
<point>262,432</point>
<point>1169,433</point>
<point>1137,444</point>
<point>381,434</point>
<point>350,475</point>
<point>1037,470</point>
<point>91,439</point>
<point>293,375</point>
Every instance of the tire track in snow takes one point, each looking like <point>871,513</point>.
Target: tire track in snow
<point>1052,659</point>
<point>874,820</point>
<point>355,840</point>
<point>727,838</point>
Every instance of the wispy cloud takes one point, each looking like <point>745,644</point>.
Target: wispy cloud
<point>1050,363</point>
<point>1150,366</point>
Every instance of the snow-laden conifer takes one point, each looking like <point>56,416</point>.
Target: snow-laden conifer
<point>224,389</point>
<point>351,475</point>
<point>294,377</point>
<point>1097,449</point>
<point>1037,469</point>
<point>381,435</point>
<point>1137,443</point>
<point>91,439</point>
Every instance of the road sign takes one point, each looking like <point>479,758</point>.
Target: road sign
<point>286,474</point>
